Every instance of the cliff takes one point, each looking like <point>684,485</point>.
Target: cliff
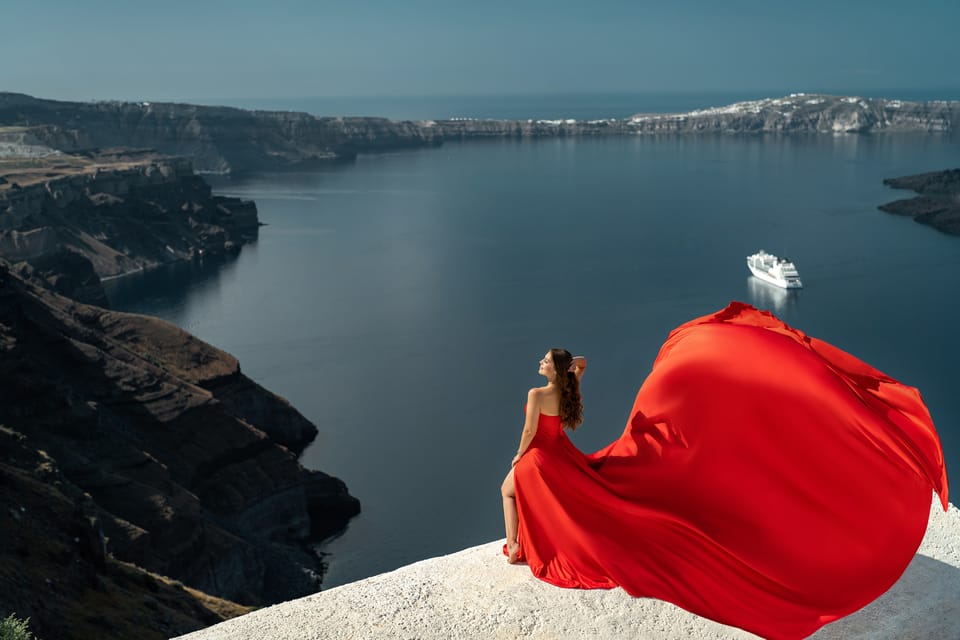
<point>794,114</point>
<point>72,219</point>
<point>938,202</point>
<point>476,594</point>
<point>809,113</point>
<point>54,565</point>
<point>224,139</point>
<point>218,139</point>
<point>169,457</point>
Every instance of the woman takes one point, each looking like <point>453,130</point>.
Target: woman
<point>765,479</point>
<point>556,405</point>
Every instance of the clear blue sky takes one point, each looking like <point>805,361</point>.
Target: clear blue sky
<point>179,50</point>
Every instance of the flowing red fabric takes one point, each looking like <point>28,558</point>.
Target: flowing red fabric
<point>765,479</point>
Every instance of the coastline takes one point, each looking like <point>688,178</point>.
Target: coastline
<point>93,216</point>
<point>161,456</point>
<point>232,140</point>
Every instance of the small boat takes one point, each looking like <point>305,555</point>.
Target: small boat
<point>777,271</point>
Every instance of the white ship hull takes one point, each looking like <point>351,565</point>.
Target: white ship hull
<point>766,277</point>
<point>779,272</point>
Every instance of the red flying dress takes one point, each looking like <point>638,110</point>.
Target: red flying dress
<point>766,480</point>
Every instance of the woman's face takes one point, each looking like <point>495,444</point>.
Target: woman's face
<point>546,366</point>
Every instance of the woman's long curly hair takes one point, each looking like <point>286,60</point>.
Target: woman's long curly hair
<point>571,406</point>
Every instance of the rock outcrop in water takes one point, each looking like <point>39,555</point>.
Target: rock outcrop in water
<point>224,139</point>
<point>71,219</point>
<point>136,440</point>
<point>938,202</point>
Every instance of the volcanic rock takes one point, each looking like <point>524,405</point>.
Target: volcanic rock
<point>229,140</point>
<point>938,202</point>
<point>188,480</point>
<point>56,571</point>
<point>76,218</point>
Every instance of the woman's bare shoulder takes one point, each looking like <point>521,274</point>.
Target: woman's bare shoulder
<point>537,395</point>
<point>542,393</point>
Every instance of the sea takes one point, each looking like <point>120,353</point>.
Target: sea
<point>402,302</point>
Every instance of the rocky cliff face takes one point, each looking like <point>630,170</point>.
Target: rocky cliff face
<point>122,211</point>
<point>223,139</point>
<point>191,468</point>
<point>218,139</point>
<point>799,113</point>
<point>55,569</point>
<point>807,113</point>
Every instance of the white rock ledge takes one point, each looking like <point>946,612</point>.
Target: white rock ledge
<point>475,594</point>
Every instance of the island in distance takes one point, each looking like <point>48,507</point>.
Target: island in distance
<point>937,203</point>
<point>230,140</point>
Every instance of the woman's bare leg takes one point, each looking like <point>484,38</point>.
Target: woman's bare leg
<point>510,519</point>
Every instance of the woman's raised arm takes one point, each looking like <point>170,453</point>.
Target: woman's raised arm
<point>578,366</point>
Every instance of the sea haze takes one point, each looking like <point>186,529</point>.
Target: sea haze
<point>402,302</point>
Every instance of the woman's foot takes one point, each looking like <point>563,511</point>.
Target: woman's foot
<point>513,552</point>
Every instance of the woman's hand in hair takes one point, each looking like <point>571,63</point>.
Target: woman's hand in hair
<point>578,366</point>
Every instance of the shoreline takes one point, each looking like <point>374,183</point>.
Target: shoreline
<point>225,140</point>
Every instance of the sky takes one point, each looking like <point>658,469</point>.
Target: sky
<point>216,50</point>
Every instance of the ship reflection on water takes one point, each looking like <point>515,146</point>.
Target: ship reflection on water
<point>771,297</point>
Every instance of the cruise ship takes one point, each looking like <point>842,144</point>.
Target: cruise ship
<point>777,271</point>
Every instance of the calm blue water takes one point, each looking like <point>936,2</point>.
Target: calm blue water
<point>402,303</point>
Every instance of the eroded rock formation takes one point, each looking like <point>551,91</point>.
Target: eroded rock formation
<point>218,139</point>
<point>798,113</point>
<point>123,211</point>
<point>55,568</point>
<point>224,139</point>
<point>808,113</point>
<point>191,468</point>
